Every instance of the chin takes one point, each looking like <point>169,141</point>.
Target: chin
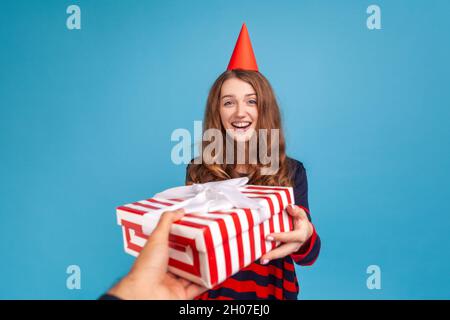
<point>242,136</point>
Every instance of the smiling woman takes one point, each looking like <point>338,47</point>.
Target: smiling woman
<point>242,106</point>
<point>238,110</point>
<point>241,103</point>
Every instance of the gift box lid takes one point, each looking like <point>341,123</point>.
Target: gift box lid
<point>214,227</point>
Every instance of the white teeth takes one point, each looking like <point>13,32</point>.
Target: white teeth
<point>241,124</point>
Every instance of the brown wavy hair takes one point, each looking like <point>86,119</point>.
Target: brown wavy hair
<point>268,118</point>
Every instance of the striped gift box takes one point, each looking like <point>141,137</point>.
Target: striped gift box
<point>209,248</point>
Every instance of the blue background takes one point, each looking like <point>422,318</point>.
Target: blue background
<point>86,118</point>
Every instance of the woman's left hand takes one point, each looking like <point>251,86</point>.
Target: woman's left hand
<point>292,240</point>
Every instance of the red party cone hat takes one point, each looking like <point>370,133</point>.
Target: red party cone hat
<point>243,56</point>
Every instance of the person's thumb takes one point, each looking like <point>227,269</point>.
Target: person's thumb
<point>162,230</point>
<point>155,253</point>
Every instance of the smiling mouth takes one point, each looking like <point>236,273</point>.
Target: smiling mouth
<point>241,125</point>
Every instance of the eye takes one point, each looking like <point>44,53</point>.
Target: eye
<point>252,101</point>
<point>227,103</point>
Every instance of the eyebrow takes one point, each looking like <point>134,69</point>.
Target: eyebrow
<point>232,95</point>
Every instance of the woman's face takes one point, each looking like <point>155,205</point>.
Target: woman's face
<point>238,109</point>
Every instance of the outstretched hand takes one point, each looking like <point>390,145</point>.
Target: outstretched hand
<point>149,277</point>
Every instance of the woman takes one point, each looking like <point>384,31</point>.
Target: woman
<point>241,102</point>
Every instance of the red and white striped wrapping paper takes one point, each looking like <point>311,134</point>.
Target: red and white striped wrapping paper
<point>209,248</point>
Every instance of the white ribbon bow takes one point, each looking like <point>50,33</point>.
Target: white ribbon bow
<point>203,198</point>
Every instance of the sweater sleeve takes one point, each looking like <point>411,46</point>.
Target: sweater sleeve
<point>309,251</point>
<point>107,296</point>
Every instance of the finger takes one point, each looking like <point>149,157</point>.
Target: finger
<point>280,252</point>
<point>296,211</point>
<point>182,281</point>
<point>299,224</point>
<point>162,230</point>
<point>155,253</point>
<point>194,290</point>
<point>185,283</point>
<point>290,236</point>
<point>172,276</point>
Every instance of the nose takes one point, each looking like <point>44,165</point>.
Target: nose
<point>240,110</point>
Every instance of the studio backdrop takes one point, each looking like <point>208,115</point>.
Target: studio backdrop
<point>91,92</point>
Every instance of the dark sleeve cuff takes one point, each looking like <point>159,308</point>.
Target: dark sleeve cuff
<point>309,251</point>
<point>108,296</point>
